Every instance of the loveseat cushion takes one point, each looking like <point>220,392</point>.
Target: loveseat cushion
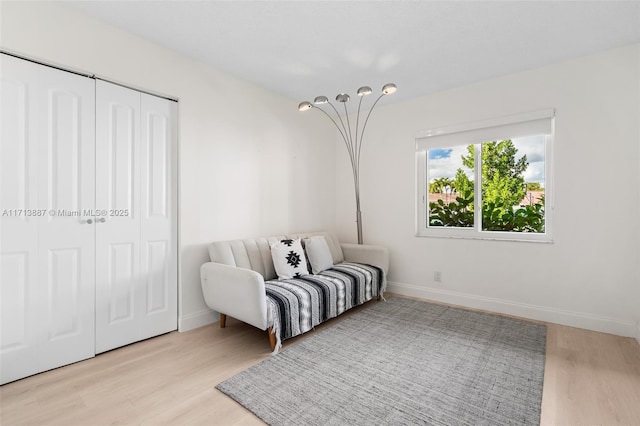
<point>289,259</point>
<point>255,253</point>
<point>297,305</point>
<point>318,253</point>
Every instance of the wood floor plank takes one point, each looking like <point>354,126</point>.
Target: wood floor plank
<point>590,378</point>
<point>549,407</point>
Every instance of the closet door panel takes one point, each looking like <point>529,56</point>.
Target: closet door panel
<point>136,243</point>
<point>47,251</point>
<point>19,301</point>
<point>121,263</point>
<point>159,210</point>
<point>66,248</point>
<point>118,186</point>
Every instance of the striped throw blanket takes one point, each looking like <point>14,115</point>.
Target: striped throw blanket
<point>297,305</point>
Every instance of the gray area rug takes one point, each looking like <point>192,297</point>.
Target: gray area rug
<point>402,362</point>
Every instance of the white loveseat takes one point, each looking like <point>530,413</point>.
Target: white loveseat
<point>233,283</point>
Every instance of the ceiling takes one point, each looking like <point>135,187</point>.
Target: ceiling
<point>306,48</point>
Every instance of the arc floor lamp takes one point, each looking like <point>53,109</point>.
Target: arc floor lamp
<point>352,140</point>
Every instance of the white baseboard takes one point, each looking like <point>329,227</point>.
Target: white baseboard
<point>540,313</point>
<point>197,319</point>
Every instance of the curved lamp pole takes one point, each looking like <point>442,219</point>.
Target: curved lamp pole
<point>352,140</point>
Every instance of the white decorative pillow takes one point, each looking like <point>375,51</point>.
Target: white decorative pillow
<point>288,259</point>
<point>319,253</point>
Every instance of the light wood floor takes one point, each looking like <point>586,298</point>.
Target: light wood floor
<point>590,379</point>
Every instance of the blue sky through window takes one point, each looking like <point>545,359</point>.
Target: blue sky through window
<point>444,162</point>
<point>435,154</point>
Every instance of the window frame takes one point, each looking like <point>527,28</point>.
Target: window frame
<point>471,134</point>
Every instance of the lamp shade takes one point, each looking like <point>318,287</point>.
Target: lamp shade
<point>320,100</point>
<point>389,88</point>
<point>305,106</point>
<point>364,91</point>
<point>342,97</point>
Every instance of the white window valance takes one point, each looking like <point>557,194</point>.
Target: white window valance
<point>513,126</point>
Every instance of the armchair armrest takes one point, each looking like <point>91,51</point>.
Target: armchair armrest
<point>236,292</point>
<point>369,254</point>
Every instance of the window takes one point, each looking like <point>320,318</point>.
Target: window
<point>489,180</point>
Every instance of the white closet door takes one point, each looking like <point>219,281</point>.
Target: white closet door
<point>66,238</point>
<point>159,215</point>
<point>136,255</point>
<point>48,279</point>
<point>118,277</point>
<point>20,303</point>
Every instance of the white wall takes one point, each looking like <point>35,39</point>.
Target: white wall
<point>250,164</point>
<point>589,277</point>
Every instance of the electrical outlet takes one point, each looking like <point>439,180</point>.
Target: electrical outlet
<point>437,276</point>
